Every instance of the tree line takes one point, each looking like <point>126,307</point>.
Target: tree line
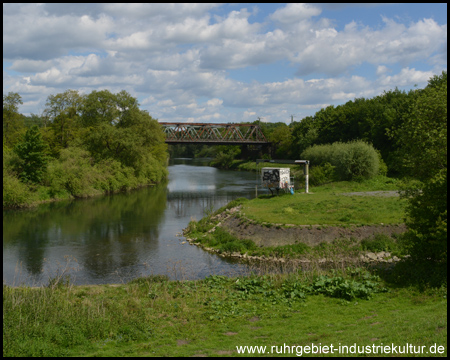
<point>82,145</point>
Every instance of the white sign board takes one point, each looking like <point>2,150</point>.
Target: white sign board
<point>278,178</point>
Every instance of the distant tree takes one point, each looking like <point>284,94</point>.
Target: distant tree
<point>304,135</point>
<point>281,139</point>
<point>34,119</point>
<point>119,130</point>
<point>103,107</point>
<point>32,153</point>
<point>13,125</point>
<point>63,112</point>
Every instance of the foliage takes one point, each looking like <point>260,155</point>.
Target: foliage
<point>225,156</point>
<point>73,173</point>
<point>347,289</point>
<point>31,152</point>
<point>369,120</point>
<point>356,160</point>
<point>100,143</point>
<point>128,135</point>
<point>427,219</point>
<point>15,193</point>
<point>304,135</point>
<point>13,125</point>
<point>63,113</point>
<point>423,134</point>
<point>321,174</point>
<point>424,147</point>
<point>380,242</point>
<point>281,139</point>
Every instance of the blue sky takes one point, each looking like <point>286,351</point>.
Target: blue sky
<point>222,62</point>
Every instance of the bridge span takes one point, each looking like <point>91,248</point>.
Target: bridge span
<point>219,134</point>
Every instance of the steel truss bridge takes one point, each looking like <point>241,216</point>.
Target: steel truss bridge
<point>219,134</point>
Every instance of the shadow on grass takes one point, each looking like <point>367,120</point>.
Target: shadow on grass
<point>422,275</point>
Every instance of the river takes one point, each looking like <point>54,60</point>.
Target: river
<point>112,239</point>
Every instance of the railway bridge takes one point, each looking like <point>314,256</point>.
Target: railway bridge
<point>213,134</point>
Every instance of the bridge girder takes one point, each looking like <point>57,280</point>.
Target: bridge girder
<point>202,133</point>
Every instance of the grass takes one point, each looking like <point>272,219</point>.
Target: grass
<point>326,205</point>
<point>156,317</point>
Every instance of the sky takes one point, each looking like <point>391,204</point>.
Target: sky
<point>220,63</point>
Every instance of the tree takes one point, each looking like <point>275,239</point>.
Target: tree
<point>31,151</point>
<point>423,137</point>
<point>63,111</point>
<point>281,140</point>
<point>103,107</point>
<point>13,125</point>
<point>119,130</point>
<point>304,135</point>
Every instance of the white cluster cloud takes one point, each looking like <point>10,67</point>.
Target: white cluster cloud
<point>179,59</point>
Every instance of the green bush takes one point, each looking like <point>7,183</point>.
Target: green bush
<point>321,174</point>
<point>427,220</point>
<point>379,243</point>
<point>113,176</point>
<point>15,193</point>
<point>73,173</point>
<point>355,160</point>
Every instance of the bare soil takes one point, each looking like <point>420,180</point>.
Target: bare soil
<point>312,235</point>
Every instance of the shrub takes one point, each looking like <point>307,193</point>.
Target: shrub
<point>427,220</point>
<point>73,172</point>
<point>113,176</point>
<point>379,243</point>
<point>356,160</point>
<point>321,174</point>
<point>15,193</point>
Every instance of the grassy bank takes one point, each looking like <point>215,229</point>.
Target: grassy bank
<point>331,205</point>
<point>156,317</point>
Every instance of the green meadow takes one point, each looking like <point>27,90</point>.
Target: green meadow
<point>212,317</point>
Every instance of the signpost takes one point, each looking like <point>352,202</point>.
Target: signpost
<point>304,162</point>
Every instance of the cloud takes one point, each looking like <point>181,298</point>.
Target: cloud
<point>45,37</point>
<point>293,13</point>
<point>179,59</point>
<point>405,77</point>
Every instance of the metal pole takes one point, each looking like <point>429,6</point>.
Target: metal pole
<point>256,182</point>
<point>307,177</point>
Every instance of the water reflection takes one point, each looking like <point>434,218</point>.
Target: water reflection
<point>115,238</point>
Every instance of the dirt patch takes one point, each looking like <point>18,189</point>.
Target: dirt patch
<point>311,235</point>
<point>224,352</point>
<point>182,342</point>
<point>373,193</point>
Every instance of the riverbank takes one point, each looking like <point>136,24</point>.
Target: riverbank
<point>336,220</point>
<point>41,195</point>
<point>156,317</point>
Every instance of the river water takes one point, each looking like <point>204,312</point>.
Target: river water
<point>112,239</point>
